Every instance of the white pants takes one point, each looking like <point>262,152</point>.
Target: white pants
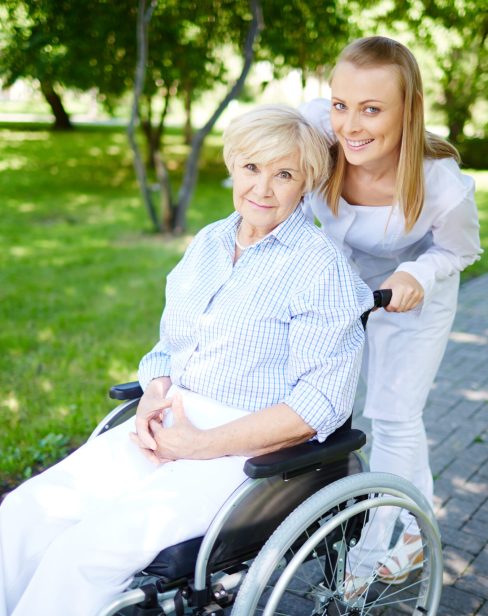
<point>73,537</point>
<point>398,447</point>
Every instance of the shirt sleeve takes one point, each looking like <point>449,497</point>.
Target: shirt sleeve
<point>326,343</point>
<point>456,244</point>
<point>157,362</point>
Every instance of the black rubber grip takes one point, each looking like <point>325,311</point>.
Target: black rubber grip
<point>382,298</point>
<point>126,391</point>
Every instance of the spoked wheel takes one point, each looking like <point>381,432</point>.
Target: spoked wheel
<point>323,559</point>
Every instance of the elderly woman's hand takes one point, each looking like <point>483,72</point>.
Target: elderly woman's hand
<point>151,405</point>
<point>181,440</point>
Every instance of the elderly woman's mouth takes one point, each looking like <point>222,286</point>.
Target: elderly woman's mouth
<point>259,205</point>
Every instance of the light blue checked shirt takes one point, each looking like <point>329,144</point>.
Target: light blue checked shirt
<point>279,325</point>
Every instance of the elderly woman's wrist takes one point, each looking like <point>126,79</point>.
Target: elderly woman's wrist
<point>159,383</point>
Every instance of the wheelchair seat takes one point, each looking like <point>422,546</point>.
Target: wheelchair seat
<point>288,478</point>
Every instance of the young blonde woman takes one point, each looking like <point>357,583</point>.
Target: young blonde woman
<point>399,207</point>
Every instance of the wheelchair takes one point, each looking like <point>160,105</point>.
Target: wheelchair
<point>285,542</point>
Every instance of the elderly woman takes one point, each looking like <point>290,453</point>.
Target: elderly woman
<point>259,349</point>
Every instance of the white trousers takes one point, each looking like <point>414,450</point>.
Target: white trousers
<point>73,537</point>
<point>398,447</point>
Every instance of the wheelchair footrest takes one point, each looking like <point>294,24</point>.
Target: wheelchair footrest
<point>301,458</point>
<point>149,606</point>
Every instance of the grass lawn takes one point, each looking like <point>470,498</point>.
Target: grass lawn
<point>82,280</point>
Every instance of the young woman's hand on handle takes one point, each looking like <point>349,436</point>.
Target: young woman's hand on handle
<point>407,292</point>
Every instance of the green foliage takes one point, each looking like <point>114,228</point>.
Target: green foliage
<point>473,152</point>
<point>305,35</point>
<point>481,266</point>
<point>49,450</point>
<point>70,43</point>
<point>455,33</point>
<point>92,44</point>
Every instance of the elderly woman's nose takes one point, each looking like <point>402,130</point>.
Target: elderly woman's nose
<point>262,185</point>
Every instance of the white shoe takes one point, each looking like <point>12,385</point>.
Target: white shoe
<point>356,586</point>
<point>402,560</point>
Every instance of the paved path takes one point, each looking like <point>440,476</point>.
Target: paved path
<point>456,419</point>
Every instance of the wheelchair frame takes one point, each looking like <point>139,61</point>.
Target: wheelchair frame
<point>331,512</point>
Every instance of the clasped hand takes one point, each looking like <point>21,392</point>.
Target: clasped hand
<point>158,443</point>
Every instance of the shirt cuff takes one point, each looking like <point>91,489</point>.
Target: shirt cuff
<point>315,409</point>
<point>423,276</point>
<point>152,367</point>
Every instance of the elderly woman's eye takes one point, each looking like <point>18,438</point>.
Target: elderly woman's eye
<point>285,175</point>
<point>251,167</point>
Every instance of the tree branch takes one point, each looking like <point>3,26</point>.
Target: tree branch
<point>191,170</point>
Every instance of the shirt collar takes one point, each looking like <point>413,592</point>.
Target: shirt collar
<point>284,232</point>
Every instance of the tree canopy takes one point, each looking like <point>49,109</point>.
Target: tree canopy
<point>93,45</point>
<point>455,33</point>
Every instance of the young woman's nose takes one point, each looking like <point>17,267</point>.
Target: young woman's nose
<point>352,122</point>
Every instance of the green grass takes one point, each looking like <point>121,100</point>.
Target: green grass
<point>82,279</point>
<point>481,266</point>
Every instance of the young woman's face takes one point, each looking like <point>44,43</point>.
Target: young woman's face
<point>367,113</point>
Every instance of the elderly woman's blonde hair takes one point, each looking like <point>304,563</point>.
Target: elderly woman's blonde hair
<point>270,132</point>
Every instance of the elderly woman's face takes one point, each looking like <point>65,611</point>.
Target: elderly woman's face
<point>266,194</point>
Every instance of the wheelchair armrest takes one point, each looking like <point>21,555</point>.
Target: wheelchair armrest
<point>304,457</point>
<point>126,391</point>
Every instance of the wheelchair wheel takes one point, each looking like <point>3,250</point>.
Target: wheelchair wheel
<point>303,567</point>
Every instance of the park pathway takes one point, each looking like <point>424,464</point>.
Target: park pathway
<point>456,419</point>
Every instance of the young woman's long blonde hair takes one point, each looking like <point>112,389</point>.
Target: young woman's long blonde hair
<point>417,143</point>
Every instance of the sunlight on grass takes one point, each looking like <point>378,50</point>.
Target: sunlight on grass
<point>27,207</point>
<point>23,136</point>
<point>14,163</point>
<point>20,251</point>
<point>11,403</point>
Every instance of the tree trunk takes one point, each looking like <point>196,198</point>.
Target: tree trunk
<point>191,169</point>
<point>143,18</point>
<point>61,118</point>
<point>188,130</point>
<point>456,131</point>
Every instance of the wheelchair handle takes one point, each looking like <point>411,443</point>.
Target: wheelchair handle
<point>382,298</point>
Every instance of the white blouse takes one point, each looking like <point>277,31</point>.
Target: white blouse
<point>444,240</point>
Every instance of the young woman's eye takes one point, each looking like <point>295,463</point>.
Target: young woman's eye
<point>339,106</point>
<point>371,110</point>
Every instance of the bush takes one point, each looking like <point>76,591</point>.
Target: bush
<point>474,152</point>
